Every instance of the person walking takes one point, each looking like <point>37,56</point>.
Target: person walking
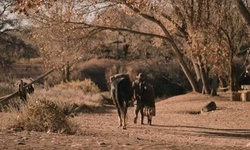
<point>138,93</point>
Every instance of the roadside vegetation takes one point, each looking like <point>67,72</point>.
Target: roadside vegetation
<point>53,110</point>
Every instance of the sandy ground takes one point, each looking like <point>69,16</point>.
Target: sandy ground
<point>178,125</point>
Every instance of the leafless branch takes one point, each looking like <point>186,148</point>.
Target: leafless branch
<point>86,25</point>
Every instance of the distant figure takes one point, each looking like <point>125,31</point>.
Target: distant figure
<point>143,99</point>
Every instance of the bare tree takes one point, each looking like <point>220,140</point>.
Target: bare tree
<point>61,44</point>
<point>185,25</point>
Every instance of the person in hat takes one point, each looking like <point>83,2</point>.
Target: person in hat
<point>137,97</point>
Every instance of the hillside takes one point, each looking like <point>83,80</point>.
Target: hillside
<point>178,125</point>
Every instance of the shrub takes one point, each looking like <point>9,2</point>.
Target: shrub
<point>44,116</point>
<point>72,93</point>
<point>94,69</point>
<point>11,104</point>
<point>86,86</point>
<point>161,77</point>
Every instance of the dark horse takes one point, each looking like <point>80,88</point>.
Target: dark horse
<point>121,93</point>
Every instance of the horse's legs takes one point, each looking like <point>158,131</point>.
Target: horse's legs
<point>119,118</point>
<point>113,92</point>
<point>150,119</point>
<point>119,115</point>
<point>125,115</point>
<point>124,120</point>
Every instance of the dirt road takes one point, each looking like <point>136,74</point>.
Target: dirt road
<point>178,125</point>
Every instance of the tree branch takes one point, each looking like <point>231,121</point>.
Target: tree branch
<point>154,20</point>
<point>182,28</point>
<point>118,29</point>
<point>243,11</point>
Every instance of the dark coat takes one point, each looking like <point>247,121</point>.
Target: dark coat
<point>144,93</point>
<point>148,95</point>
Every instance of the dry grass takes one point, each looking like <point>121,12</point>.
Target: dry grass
<point>52,111</point>
<point>86,86</point>
<point>75,92</point>
<point>44,116</point>
<point>6,88</point>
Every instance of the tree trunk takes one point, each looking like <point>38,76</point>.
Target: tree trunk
<point>67,72</point>
<point>204,80</point>
<point>184,67</point>
<point>196,69</point>
<point>204,77</point>
<point>243,11</point>
<point>214,86</point>
<point>198,76</point>
<point>231,72</point>
<point>175,48</point>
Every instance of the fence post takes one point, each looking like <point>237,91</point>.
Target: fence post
<point>22,91</point>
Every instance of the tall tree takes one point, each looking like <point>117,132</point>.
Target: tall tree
<point>185,25</point>
<point>61,44</point>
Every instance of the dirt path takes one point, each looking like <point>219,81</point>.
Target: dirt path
<point>178,125</point>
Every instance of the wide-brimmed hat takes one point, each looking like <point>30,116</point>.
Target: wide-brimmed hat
<point>140,76</point>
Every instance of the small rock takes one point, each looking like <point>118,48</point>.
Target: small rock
<point>102,144</point>
<point>21,143</point>
<point>138,138</point>
<point>209,107</point>
<point>127,144</point>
